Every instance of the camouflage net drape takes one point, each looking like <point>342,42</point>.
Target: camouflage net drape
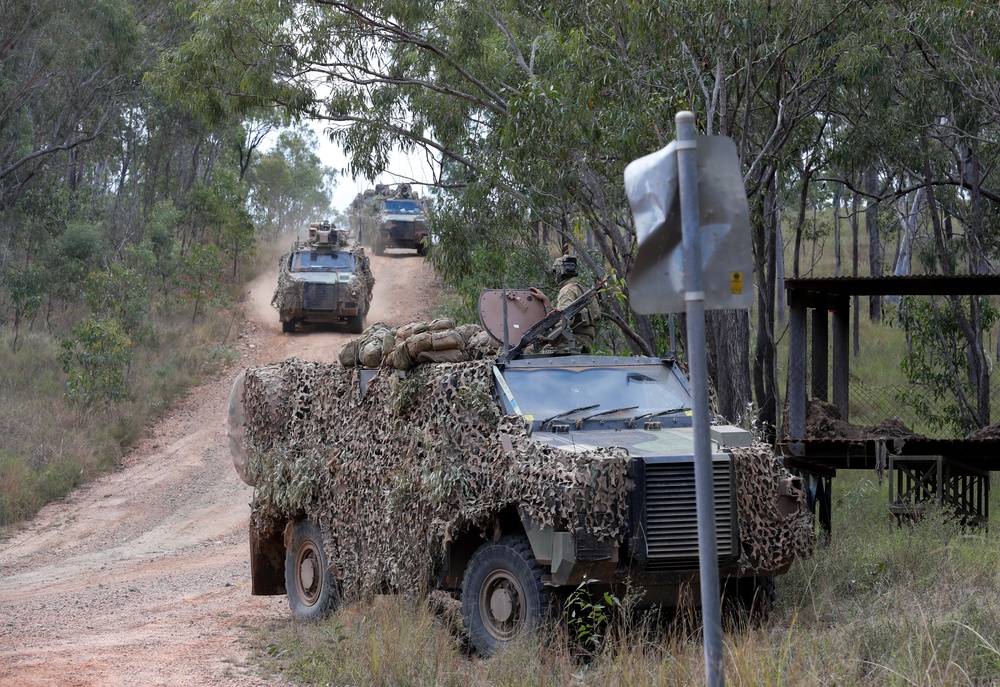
<point>394,476</point>
<point>769,539</point>
<point>289,297</point>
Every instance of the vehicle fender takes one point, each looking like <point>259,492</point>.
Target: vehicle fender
<point>540,538</point>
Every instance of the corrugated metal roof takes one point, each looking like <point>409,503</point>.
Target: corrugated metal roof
<point>916,285</point>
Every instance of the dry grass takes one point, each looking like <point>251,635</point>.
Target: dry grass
<point>881,604</point>
<point>49,446</point>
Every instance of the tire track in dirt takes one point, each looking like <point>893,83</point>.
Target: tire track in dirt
<point>142,577</point>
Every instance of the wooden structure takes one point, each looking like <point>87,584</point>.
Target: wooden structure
<point>922,471</point>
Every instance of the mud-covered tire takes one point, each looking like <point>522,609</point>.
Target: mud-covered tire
<point>378,248</point>
<point>288,327</point>
<point>312,590</point>
<point>422,248</point>
<point>355,324</point>
<point>502,594</point>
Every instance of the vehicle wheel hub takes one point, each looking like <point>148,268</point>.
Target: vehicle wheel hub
<point>501,605</point>
<point>307,573</point>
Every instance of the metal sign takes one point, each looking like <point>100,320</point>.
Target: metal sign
<point>656,281</point>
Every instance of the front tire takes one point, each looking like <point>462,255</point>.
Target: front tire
<point>502,594</point>
<point>288,327</point>
<point>311,588</point>
<point>355,324</point>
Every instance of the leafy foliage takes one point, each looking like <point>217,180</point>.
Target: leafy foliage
<point>938,358</point>
<point>96,358</point>
<point>200,275</point>
<point>587,617</point>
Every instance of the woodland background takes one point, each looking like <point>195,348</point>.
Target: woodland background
<point>147,147</point>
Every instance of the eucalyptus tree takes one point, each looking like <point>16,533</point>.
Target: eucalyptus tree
<point>530,113</point>
<point>65,68</point>
<point>289,185</point>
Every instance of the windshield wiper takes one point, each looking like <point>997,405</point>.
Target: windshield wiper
<point>547,420</point>
<point>579,423</point>
<point>669,411</point>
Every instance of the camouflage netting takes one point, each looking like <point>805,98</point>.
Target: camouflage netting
<point>770,540</point>
<point>288,297</point>
<point>394,476</point>
<point>421,459</point>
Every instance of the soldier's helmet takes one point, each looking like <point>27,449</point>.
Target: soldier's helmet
<point>564,268</point>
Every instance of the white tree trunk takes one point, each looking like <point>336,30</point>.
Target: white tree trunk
<point>909,219</point>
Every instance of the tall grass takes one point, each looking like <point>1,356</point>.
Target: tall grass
<point>50,446</point>
<point>881,604</point>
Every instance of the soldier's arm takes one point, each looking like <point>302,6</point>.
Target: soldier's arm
<point>537,293</point>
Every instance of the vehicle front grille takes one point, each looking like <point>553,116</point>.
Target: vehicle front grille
<point>321,296</point>
<point>671,516</point>
<point>400,231</point>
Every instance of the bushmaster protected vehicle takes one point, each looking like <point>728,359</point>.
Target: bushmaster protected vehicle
<point>324,280</point>
<point>501,481</point>
<point>391,217</point>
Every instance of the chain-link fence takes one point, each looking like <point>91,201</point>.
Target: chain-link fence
<point>916,407</point>
<point>912,405</point>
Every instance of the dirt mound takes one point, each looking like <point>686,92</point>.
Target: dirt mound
<point>984,433</point>
<point>824,422</point>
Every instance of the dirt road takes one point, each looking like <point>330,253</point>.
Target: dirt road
<point>142,577</point>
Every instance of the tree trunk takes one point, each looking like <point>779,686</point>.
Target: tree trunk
<point>909,220</point>
<point>836,229</point>
<point>856,305</point>
<point>728,337</point>
<point>874,245</point>
<point>972,331</point>
<point>764,368</point>
<point>780,296</point>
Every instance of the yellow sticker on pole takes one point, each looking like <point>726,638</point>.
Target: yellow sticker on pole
<point>736,283</point>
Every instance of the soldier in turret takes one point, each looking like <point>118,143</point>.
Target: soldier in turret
<point>583,326</point>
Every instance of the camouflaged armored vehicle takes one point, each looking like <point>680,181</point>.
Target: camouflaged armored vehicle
<point>391,217</point>
<point>324,280</point>
<point>501,477</point>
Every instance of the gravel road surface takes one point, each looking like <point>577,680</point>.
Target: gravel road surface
<point>142,577</point>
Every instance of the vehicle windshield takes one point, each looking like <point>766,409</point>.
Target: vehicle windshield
<point>402,207</point>
<point>323,261</point>
<point>544,392</point>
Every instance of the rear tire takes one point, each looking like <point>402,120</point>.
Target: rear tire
<point>502,594</point>
<point>288,327</point>
<point>312,590</point>
<point>356,324</point>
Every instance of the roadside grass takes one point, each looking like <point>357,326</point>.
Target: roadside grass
<point>881,604</point>
<point>49,446</point>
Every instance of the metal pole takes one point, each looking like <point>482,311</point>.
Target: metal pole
<point>694,297</point>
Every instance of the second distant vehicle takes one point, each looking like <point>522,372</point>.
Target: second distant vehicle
<point>391,217</point>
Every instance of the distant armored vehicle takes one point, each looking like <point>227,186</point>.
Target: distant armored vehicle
<point>503,479</point>
<point>390,217</point>
<point>324,280</point>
